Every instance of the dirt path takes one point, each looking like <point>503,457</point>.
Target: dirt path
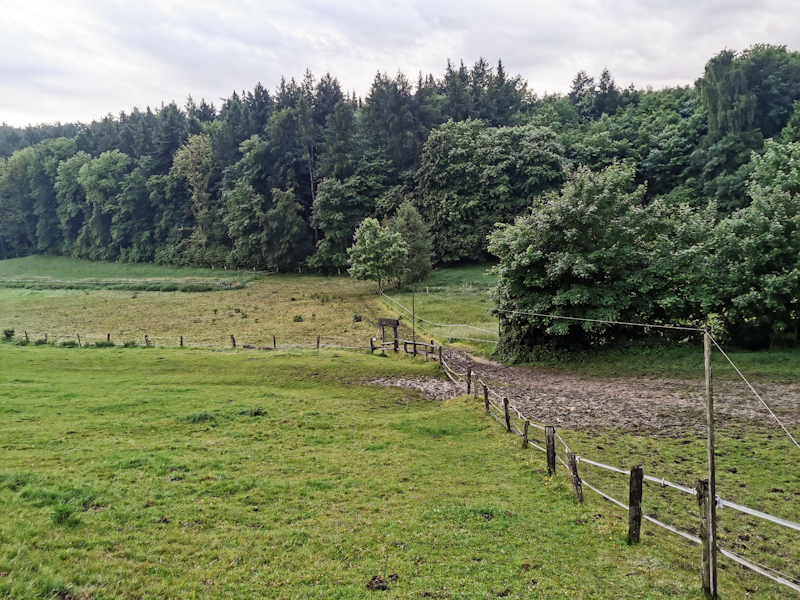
<point>640,404</point>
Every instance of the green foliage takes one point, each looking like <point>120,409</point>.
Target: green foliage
<point>412,229</point>
<point>377,254</point>
<point>297,318</point>
<point>594,251</point>
<point>8,334</point>
<point>472,177</point>
<point>756,262</point>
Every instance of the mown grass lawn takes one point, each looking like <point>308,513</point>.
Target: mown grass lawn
<point>156,473</point>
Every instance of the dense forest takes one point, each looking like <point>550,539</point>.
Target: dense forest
<point>283,179</point>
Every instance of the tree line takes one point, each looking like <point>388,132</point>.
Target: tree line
<point>283,179</point>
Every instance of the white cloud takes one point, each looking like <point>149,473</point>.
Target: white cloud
<point>80,59</point>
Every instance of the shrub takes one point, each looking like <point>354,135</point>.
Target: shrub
<point>40,342</point>
<point>8,334</point>
<point>356,318</point>
<point>129,344</point>
<point>104,344</point>
<point>297,318</point>
<point>22,343</point>
<point>69,344</point>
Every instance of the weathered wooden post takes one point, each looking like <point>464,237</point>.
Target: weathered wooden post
<point>525,435</point>
<point>274,343</point>
<point>79,339</point>
<point>710,548</point>
<point>317,342</point>
<point>486,397</point>
<point>26,337</point>
<point>508,416</point>
<point>469,379</point>
<point>371,346</point>
<point>396,339</point>
<point>577,488</point>
<point>45,338</point>
<point>181,341</point>
<point>426,352</point>
<point>707,551</point>
<point>146,342</point>
<point>440,356</point>
<point>108,337</point>
<point>635,505</point>
<point>233,341</point>
<point>550,444</point>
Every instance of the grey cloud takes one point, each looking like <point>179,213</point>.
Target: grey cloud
<point>119,54</point>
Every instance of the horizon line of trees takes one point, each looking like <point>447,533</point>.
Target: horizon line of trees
<point>284,179</point>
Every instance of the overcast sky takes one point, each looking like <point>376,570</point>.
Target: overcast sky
<point>69,60</point>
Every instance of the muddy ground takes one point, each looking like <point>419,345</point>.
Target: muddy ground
<point>667,406</point>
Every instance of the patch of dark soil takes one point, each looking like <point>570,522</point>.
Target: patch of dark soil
<point>377,583</point>
<point>643,404</point>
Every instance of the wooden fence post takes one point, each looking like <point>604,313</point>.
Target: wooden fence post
<point>635,505</point>
<point>274,343</point>
<point>508,417</point>
<point>469,379</point>
<point>440,356</point>
<point>525,435</point>
<point>396,341</point>
<point>550,442</point>
<point>26,337</point>
<point>146,342</point>
<point>79,339</point>
<point>108,337</point>
<point>486,397</point>
<point>708,551</point>
<point>233,341</point>
<point>576,480</point>
<point>45,338</point>
<point>317,342</point>
<point>371,346</point>
<point>181,341</point>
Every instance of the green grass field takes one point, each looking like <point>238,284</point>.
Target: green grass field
<point>208,472</point>
<point>63,268</point>
<point>153,473</point>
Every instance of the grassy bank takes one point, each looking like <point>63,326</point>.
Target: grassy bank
<point>144,473</point>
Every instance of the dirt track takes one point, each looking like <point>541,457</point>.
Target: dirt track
<point>643,404</point>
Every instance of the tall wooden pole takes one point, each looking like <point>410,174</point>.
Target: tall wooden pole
<point>413,323</point>
<point>711,504</point>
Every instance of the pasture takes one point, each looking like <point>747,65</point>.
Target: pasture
<point>209,472</point>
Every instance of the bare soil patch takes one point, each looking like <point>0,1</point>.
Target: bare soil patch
<point>668,406</point>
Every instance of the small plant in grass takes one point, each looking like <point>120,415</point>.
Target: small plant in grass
<point>199,417</point>
<point>356,318</point>
<point>40,342</point>
<point>297,318</point>
<point>63,515</point>
<point>257,411</point>
<point>69,344</point>
<point>104,344</point>
<point>129,344</point>
<point>244,315</point>
<point>22,342</point>
<point>8,334</point>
